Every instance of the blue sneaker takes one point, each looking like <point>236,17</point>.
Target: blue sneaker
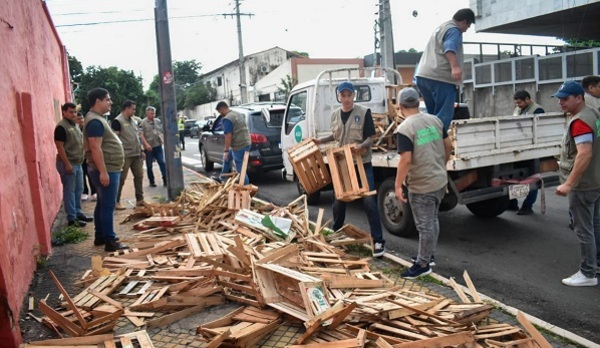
<point>416,271</point>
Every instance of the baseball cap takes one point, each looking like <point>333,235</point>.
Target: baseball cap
<point>569,88</point>
<point>345,86</point>
<point>408,96</point>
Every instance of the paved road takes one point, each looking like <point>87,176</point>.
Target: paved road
<point>518,260</point>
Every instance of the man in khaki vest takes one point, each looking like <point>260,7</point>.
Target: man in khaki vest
<point>237,139</point>
<point>353,124</point>
<point>152,139</point>
<point>104,155</point>
<point>580,178</point>
<point>424,149</point>
<point>69,147</point>
<point>126,127</point>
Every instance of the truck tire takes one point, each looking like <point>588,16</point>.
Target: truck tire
<point>311,198</point>
<point>206,163</point>
<point>489,208</point>
<point>395,215</point>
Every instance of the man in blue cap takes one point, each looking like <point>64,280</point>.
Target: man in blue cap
<point>353,124</point>
<point>580,178</point>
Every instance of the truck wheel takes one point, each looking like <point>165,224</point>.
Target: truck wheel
<point>489,208</point>
<point>208,164</point>
<point>396,216</point>
<point>311,198</point>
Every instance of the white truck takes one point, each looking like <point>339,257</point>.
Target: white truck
<point>494,159</point>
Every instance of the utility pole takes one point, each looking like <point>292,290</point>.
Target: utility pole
<point>243,90</point>
<point>387,37</point>
<point>168,104</point>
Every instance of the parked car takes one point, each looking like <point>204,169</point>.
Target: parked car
<point>196,129</point>
<point>264,124</point>
<point>188,126</point>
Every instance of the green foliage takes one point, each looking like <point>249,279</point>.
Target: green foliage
<point>186,76</point>
<point>122,85</point>
<point>75,68</point>
<point>69,234</point>
<point>305,54</point>
<point>186,72</point>
<point>410,50</point>
<point>198,94</point>
<point>581,43</point>
<point>287,84</point>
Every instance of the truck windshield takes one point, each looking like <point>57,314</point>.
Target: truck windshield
<point>296,111</point>
<point>362,94</point>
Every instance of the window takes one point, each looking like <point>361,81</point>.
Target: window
<point>525,69</point>
<point>296,111</point>
<point>361,94</point>
<point>580,64</point>
<point>550,68</point>
<point>483,74</point>
<point>503,72</point>
<point>219,81</point>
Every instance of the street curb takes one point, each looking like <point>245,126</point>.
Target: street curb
<point>511,310</point>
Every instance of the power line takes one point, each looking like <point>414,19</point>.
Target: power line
<point>143,20</point>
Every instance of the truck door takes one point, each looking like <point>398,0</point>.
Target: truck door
<point>295,126</point>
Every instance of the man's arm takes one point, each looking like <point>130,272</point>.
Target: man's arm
<point>145,144</point>
<point>98,157</point>
<point>62,155</point>
<point>456,70</point>
<point>452,42</point>
<point>403,165</point>
<point>324,139</point>
<point>116,127</point>
<point>447,147</point>
<point>582,161</point>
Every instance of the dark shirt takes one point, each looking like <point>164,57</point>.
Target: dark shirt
<point>60,134</point>
<point>94,129</point>
<point>368,129</point>
<point>227,126</point>
<point>116,125</point>
<point>218,125</point>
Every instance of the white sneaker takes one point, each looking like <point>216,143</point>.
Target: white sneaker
<point>84,197</point>
<point>579,279</point>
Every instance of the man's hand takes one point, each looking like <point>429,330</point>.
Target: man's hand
<point>357,150</point>
<point>563,190</point>
<point>226,156</point>
<point>143,155</point>
<point>148,147</point>
<point>317,141</point>
<point>400,194</point>
<point>457,73</point>
<point>69,168</point>
<point>104,179</point>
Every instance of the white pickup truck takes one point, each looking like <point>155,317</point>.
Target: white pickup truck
<point>494,159</point>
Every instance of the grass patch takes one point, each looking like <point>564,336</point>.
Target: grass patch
<point>69,234</point>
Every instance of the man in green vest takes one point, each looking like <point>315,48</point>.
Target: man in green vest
<point>525,106</point>
<point>580,179</point>
<point>69,147</point>
<point>181,127</point>
<point>424,149</point>
<point>353,124</point>
<point>237,139</point>
<point>127,128</point>
<point>104,155</point>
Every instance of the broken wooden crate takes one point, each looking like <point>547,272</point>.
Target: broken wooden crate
<point>309,166</point>
<point>348,174</point>
<point>138,339</point>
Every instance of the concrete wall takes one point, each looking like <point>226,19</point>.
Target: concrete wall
<point>33,85</point>
<point>498,101</point>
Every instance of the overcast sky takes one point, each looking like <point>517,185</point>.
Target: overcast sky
<point>200,31</point>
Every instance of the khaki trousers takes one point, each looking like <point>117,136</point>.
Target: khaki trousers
<point>137,169</point>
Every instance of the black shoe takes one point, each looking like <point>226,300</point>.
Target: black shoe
<point>513,205</point>
<point>525,211</point>
<point>416,271</point>
<point>152,184</point>
<point>77,223</point>
<point>378,250</point>
<point>83,217</point>
<point>217,179</point>
<point>431,261</point>
<point>99,242</point>
<point>164,182</point>
<point>114,246</point>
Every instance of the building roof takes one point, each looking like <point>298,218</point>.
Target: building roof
<point>236,62</point>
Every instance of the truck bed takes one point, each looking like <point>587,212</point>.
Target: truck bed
<point>490,141</point>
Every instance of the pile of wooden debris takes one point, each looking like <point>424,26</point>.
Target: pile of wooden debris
<point>217,243</point>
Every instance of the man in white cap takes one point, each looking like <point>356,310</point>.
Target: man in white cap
<point>424,149</point>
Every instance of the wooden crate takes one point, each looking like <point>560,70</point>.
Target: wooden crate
<point>348,173</point>
<point>309,166</point>
<point>292,292</point>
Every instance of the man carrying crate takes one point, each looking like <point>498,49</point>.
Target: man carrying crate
<point>353,124</point>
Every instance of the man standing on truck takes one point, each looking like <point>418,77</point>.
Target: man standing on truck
<point>237,139</point>
<point>353,124</point>
<point>580,178</point>
<point>424,149</point>
<point>525,106</point>
<point>440,69</point>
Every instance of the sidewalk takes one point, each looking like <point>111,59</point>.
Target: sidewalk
<point>69,262</point>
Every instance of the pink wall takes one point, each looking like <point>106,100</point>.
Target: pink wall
<point>33,85</point>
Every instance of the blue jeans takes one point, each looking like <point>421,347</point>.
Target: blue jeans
<point>72,189</point>
<point>425,208</point>
<point>238,157</point>
<point>585,207</point>
<point>158,154</point>
<point>104,212</point>
<point>439,98</point>
<point>370,206</point>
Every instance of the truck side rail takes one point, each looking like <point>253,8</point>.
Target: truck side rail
<point>495,140</point>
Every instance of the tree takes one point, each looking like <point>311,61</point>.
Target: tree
<point>287,84</point>
<point>305,54</point>
<point>75,68</point>
<point>200,93</point>
<point>581,43</point>
<point>122,85</point>
<point>186,73</point>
